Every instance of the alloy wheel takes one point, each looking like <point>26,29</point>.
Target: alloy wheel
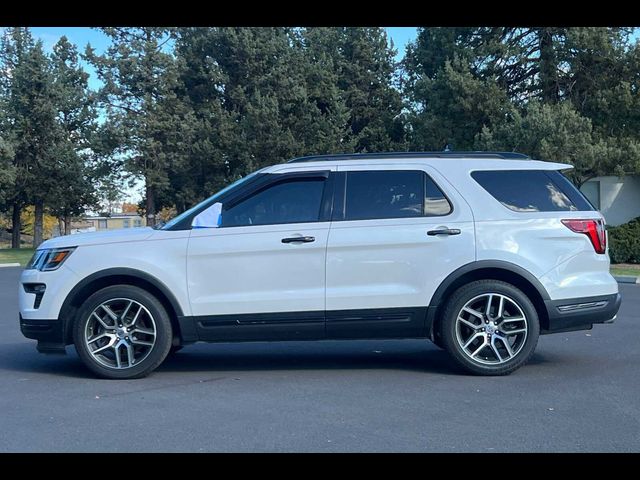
<point>120,333</point>
<point>491,329</point>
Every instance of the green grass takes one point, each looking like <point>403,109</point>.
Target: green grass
<point>626,269</point>
<point>16,255</point>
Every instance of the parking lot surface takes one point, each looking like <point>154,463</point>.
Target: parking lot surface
<point>579,393</point>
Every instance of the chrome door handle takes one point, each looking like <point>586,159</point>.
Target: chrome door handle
<point>444,231</point>
<point>298,239</point>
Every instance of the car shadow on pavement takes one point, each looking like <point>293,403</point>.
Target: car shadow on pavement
<point>409,355</point>
<point>310,356</point>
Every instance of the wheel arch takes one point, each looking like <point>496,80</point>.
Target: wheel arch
<point>488,270</point>
<point>118,276</point>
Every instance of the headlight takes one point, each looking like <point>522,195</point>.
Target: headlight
<point>49,259</point>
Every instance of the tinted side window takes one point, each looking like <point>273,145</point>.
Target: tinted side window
<point>384,194</point>
<point>393,194</point>
<point>532,190</point>
<point>291,201</point>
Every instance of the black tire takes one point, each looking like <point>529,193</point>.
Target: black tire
<point>154,356</point>
<point>466,294</point>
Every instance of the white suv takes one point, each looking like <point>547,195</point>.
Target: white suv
<point>479,252</point>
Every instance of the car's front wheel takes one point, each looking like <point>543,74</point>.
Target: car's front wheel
<point>121,332</point>
<point>490,327</point>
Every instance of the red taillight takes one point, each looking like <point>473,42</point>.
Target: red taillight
<point>594,229</point>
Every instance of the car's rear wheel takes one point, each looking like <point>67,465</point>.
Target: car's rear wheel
<point>490,327</point>
<point>122,332</point>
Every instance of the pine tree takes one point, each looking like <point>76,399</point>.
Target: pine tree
<point>325,126</point>
<point>15,45</point>
<point>75,190</point>
<point>7,154</point>
<point>264,94</point>
<point>551,92</point>
<point>453,107</point>
<point>28,93</point>
<point>601,78</point>
<point>7,169</point>
<point>367,80</point>
<point>362,64</point>
<point>140,78</point>
<point>202,165</point>
<point>41,133</point>
<point>251,97</point>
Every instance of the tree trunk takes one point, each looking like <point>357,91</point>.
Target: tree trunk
<point>548,66</point>
<point>67,225</point>
<point>150,207</point>
<point>16,226</point>
<point>61,226</point>
<point>37,223</point>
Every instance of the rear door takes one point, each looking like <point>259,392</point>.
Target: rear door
<point>397,231</point>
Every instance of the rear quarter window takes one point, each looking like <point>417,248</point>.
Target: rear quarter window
<point>532,190</point>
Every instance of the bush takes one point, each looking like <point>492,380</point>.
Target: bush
<point>624,242</point>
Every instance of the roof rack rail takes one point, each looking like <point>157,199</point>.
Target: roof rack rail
<point>445,154</point>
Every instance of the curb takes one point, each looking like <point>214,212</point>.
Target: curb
<point>626,279</point>
<point>9,265</point>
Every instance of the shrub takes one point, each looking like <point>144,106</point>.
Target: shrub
<point>624,242</point>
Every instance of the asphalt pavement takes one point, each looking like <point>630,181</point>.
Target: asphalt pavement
<point>579,393</point>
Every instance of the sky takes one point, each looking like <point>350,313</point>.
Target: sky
<point>401,36</point>
<point>83,35</point>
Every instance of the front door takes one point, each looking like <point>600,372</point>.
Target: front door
<point>261,274</point>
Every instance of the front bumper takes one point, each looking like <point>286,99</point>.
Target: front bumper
<point>581,313</point>
<point>48,333</point>
<point>40,309</point>
<point>57,285</point>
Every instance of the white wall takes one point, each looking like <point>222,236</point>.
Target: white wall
<point>619,198</point>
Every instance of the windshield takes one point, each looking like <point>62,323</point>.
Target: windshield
<point>186,213</point>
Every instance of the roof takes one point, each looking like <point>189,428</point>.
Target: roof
<point>447,154</point>
<point>461,162</point>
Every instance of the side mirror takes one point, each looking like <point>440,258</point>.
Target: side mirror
<point>209,218</point>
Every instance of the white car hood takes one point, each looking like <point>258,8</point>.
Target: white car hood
<point>99,238</point>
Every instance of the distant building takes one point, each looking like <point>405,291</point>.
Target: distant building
<point>617,198</point>
<point>114,221</point>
